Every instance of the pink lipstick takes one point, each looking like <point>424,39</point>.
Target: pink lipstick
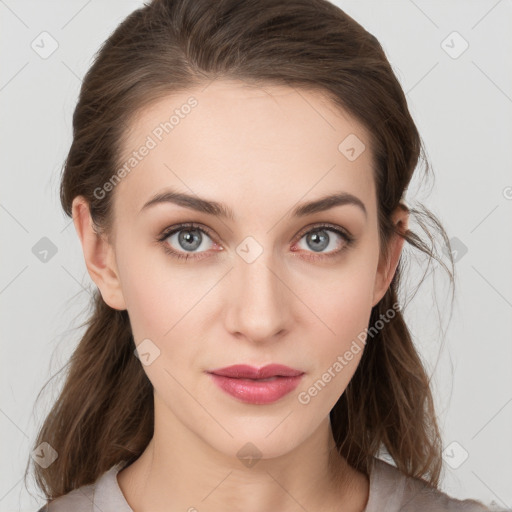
<point>257,385</point>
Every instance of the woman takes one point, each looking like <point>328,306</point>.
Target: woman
<point>230,363</point>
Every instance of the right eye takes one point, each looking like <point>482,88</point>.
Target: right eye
<point>185,240</point>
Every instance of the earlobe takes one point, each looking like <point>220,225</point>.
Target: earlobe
<point>98,255</point>
<point>387,266</point>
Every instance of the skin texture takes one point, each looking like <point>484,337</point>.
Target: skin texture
<point>260,151</point>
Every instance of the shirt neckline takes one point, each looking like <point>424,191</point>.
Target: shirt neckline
<point>108,489</point>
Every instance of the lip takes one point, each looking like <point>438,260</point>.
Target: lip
<point>239,382</point>
<point>245,371</point>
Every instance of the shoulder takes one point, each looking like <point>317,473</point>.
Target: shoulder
<point>406,494</point>
<point>78,500</point>
<point>103,494</point>
<point>418,495</point>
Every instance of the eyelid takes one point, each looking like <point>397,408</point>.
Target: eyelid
<point>327,226</point>
<point>195,225</point>
<point>168,231</point>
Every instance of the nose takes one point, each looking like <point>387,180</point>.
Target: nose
<point>259,300</point>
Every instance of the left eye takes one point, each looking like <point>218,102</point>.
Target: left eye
<point>318,239</point>
<point>192,239</point>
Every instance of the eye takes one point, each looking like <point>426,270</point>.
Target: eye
<point>318,240</point>
<point>190,238</point>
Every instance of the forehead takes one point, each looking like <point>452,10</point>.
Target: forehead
<point>243,144</point>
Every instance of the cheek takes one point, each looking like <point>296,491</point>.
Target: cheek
<point>341,308</point>
<point>343,301</point>
<point>348,319</point>
<point>148,300</point>
<point>337,353</point>
<point>163,302</point>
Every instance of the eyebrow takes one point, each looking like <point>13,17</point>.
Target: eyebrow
<point>220,210</point>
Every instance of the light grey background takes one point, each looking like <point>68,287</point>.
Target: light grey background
<point>462,105</point>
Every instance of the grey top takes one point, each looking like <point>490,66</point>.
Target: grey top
<point>390,491</point>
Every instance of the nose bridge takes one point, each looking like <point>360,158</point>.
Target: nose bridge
<point>258,303</point>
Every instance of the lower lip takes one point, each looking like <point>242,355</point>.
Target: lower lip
<point>257,392</point>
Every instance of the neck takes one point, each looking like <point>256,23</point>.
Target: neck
<point>180,470</point>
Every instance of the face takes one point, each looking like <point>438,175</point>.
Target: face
<point>260,285</point>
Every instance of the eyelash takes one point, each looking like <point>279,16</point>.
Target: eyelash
<point>349,239</point>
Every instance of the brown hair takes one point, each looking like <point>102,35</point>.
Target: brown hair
<point>104,413</point>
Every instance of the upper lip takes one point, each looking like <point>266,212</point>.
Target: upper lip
<point>241,371</point>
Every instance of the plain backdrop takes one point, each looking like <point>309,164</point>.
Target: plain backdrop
<point>453,61</point>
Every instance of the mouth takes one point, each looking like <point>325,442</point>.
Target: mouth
<point>268,379</point>
<point>265,373</point>
<point>257,386</point>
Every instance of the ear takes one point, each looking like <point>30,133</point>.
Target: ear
<point>98,254</point>
<point>387,266</point>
